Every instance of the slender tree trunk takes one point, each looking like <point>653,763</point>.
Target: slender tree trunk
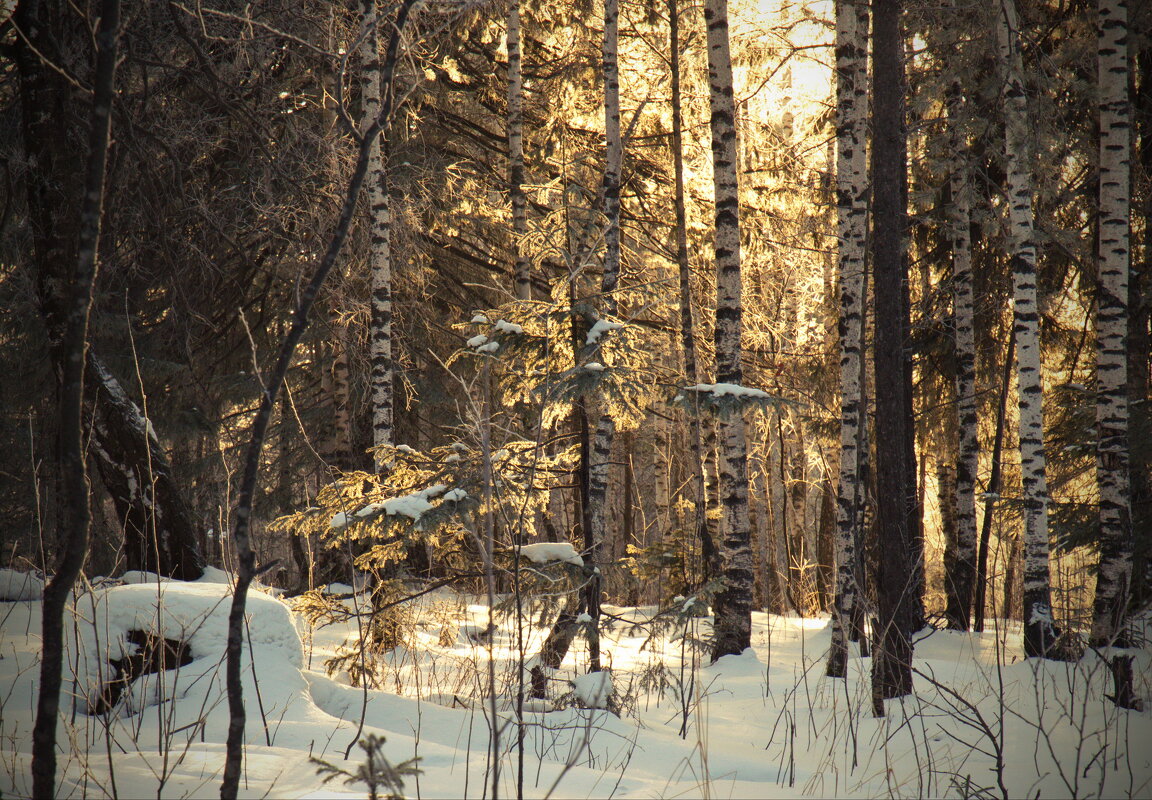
<point>960,581</point>
<point>380,230</point>
<point>245,556</point>
<point>74,537</point>
<point>595,450</point>
<point>852,221</point>
<point>1114,576</point>
<point>1039,631</point>
<point>993,493</point>
<point>687,323</point>
<point>898,511</point>
<point>733,604</point>
<point>521,268</point>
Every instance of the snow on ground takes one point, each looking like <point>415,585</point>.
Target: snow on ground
<point>763,724</point>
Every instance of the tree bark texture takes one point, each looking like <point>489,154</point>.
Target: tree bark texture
<point>159,530</point>
<point>1140,346</point>
<point>897,511</point>
<point>77,307</point>
<point>521,267</point>
<point>852,222</point>
<point>380,229</point>
<point>733,604</point>
<point>1114,576</point>
<point>1039,630</point>
<point>960,580</point>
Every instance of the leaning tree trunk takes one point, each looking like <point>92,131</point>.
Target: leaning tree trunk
<point>159,530</point>
<point>380,231</point>
<point>960,580</point>
<point>245,556</point>
<point>852,221</point>
<point>898,513</point>
<point>1039,631</point>
<point>521,268</point>
<point>77,307</point>
<point>733,605</point>
<point>1114,576</point>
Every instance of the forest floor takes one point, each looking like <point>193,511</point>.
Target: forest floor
<point>983,721</point>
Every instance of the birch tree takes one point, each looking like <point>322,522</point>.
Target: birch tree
<point>601,445</point>
<point>733,604</point>
<point>960,580</point>
<point>521,268</point>
<point>852,220</point>
<point>1113,579</point>
<point>1039,631</point>
<point>379,230</point>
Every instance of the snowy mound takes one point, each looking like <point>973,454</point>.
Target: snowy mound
<point>194,614</point>
<point>19,586</point>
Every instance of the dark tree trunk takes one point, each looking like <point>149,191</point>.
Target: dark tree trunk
<point>897,512</point>
<point>245,556</point>
<point>1140,347</point>
<point>75,306</point>
<point>159,531</point>
<point>993,493</point>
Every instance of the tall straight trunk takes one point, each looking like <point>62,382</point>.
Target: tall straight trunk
<point>852,222</point>
<point>521,269</point>
<point>687,322</point>
<point>1113,580</point>
<point>78,305</point>
<point>595,449</point>
<point>1114,576</point>
<point>898,511</point>
<point>993,494</point>
<point>733,605</point>
<point>1140,344</point>
<point>605,426</point>
<point>960,582</point>
<point>1039,631</point>
<point>380,231</point>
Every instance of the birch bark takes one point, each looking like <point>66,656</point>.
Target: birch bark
<point>380,231</point>
<point>733,604</point>
<point>960,583</point>
<point>521,269</point>
<point>1113,580</point>
<point>852,221</point>
<point>1039,631</point>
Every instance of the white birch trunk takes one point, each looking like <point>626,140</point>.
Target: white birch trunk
<point>1039,632</point>
<point>852,224</point>
<point>962,582</point>
<point>380,229</point>
<point>733,604</point>
<point>1113,581</point>
<point>521,269</point>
